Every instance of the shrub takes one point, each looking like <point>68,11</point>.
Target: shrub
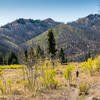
<point>17,92</point>
<point>67,72</point>
<point>9,81</point>
<point>2,88</point>
<point>84,89</point>
<point>91,65</point>
<point>49,80</point>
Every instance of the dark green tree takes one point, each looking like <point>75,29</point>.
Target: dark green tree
<point>31,53</point>
<point>1,59</point>
<point>51,44</point>
<point>62,56</point>
<point>12,58</point>
<point>26,54</point>
<point>88,55</point>
<point>39,52</point>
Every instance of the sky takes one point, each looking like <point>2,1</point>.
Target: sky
<point>59,10</point>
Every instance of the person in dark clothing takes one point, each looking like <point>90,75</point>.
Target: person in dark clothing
<point>77,74</point>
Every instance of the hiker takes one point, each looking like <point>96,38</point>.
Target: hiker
<point>77,74</point>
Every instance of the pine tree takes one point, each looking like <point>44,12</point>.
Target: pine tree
<point>1,59</point>
<point>88,55</point>
<point>12,58</point>
<point>51,44</point>
<point>62,56</point>
<point>26,54</point>
<point>40,52</point>
<point>32,54</point>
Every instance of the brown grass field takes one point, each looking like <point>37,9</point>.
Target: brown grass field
<point>62,92</point>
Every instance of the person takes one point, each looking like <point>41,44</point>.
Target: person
<point>77,74</point>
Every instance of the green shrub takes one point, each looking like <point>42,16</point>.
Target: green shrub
<point>49,80</point>
<point>84,89</point>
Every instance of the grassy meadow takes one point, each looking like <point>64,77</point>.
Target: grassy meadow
<point>50,80</point>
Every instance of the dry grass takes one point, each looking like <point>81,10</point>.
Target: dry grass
<point>61,93</point>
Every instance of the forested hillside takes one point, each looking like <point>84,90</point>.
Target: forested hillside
<point>15,33</point>
<point>78,38</point>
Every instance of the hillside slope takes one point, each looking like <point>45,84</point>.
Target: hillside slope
<point>77,38</point>
<point>71,39</point>
<point>90,24</point>
<point>21,30</point>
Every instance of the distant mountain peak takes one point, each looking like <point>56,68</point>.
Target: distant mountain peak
<point>20,21</point>
<point>49,20</point>
<point>93,17</point>
<point>21,30</point>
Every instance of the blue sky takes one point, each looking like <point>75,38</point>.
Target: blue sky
<point>59,10</point>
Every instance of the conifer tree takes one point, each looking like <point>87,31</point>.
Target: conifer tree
<point>40,52</point>
<point>51,44</point>
<point>88,55</point>
<point>26,54</point>
<point>1,59</point>
<point>12,58</point>
<point>62,56</point>
<point>31,53</point>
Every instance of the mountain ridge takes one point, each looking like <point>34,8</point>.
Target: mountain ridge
<point>21,30</point>
<point>77,38</point>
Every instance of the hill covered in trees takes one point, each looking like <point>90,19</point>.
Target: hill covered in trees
<point>14,34</point>
<point>78,38</point>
